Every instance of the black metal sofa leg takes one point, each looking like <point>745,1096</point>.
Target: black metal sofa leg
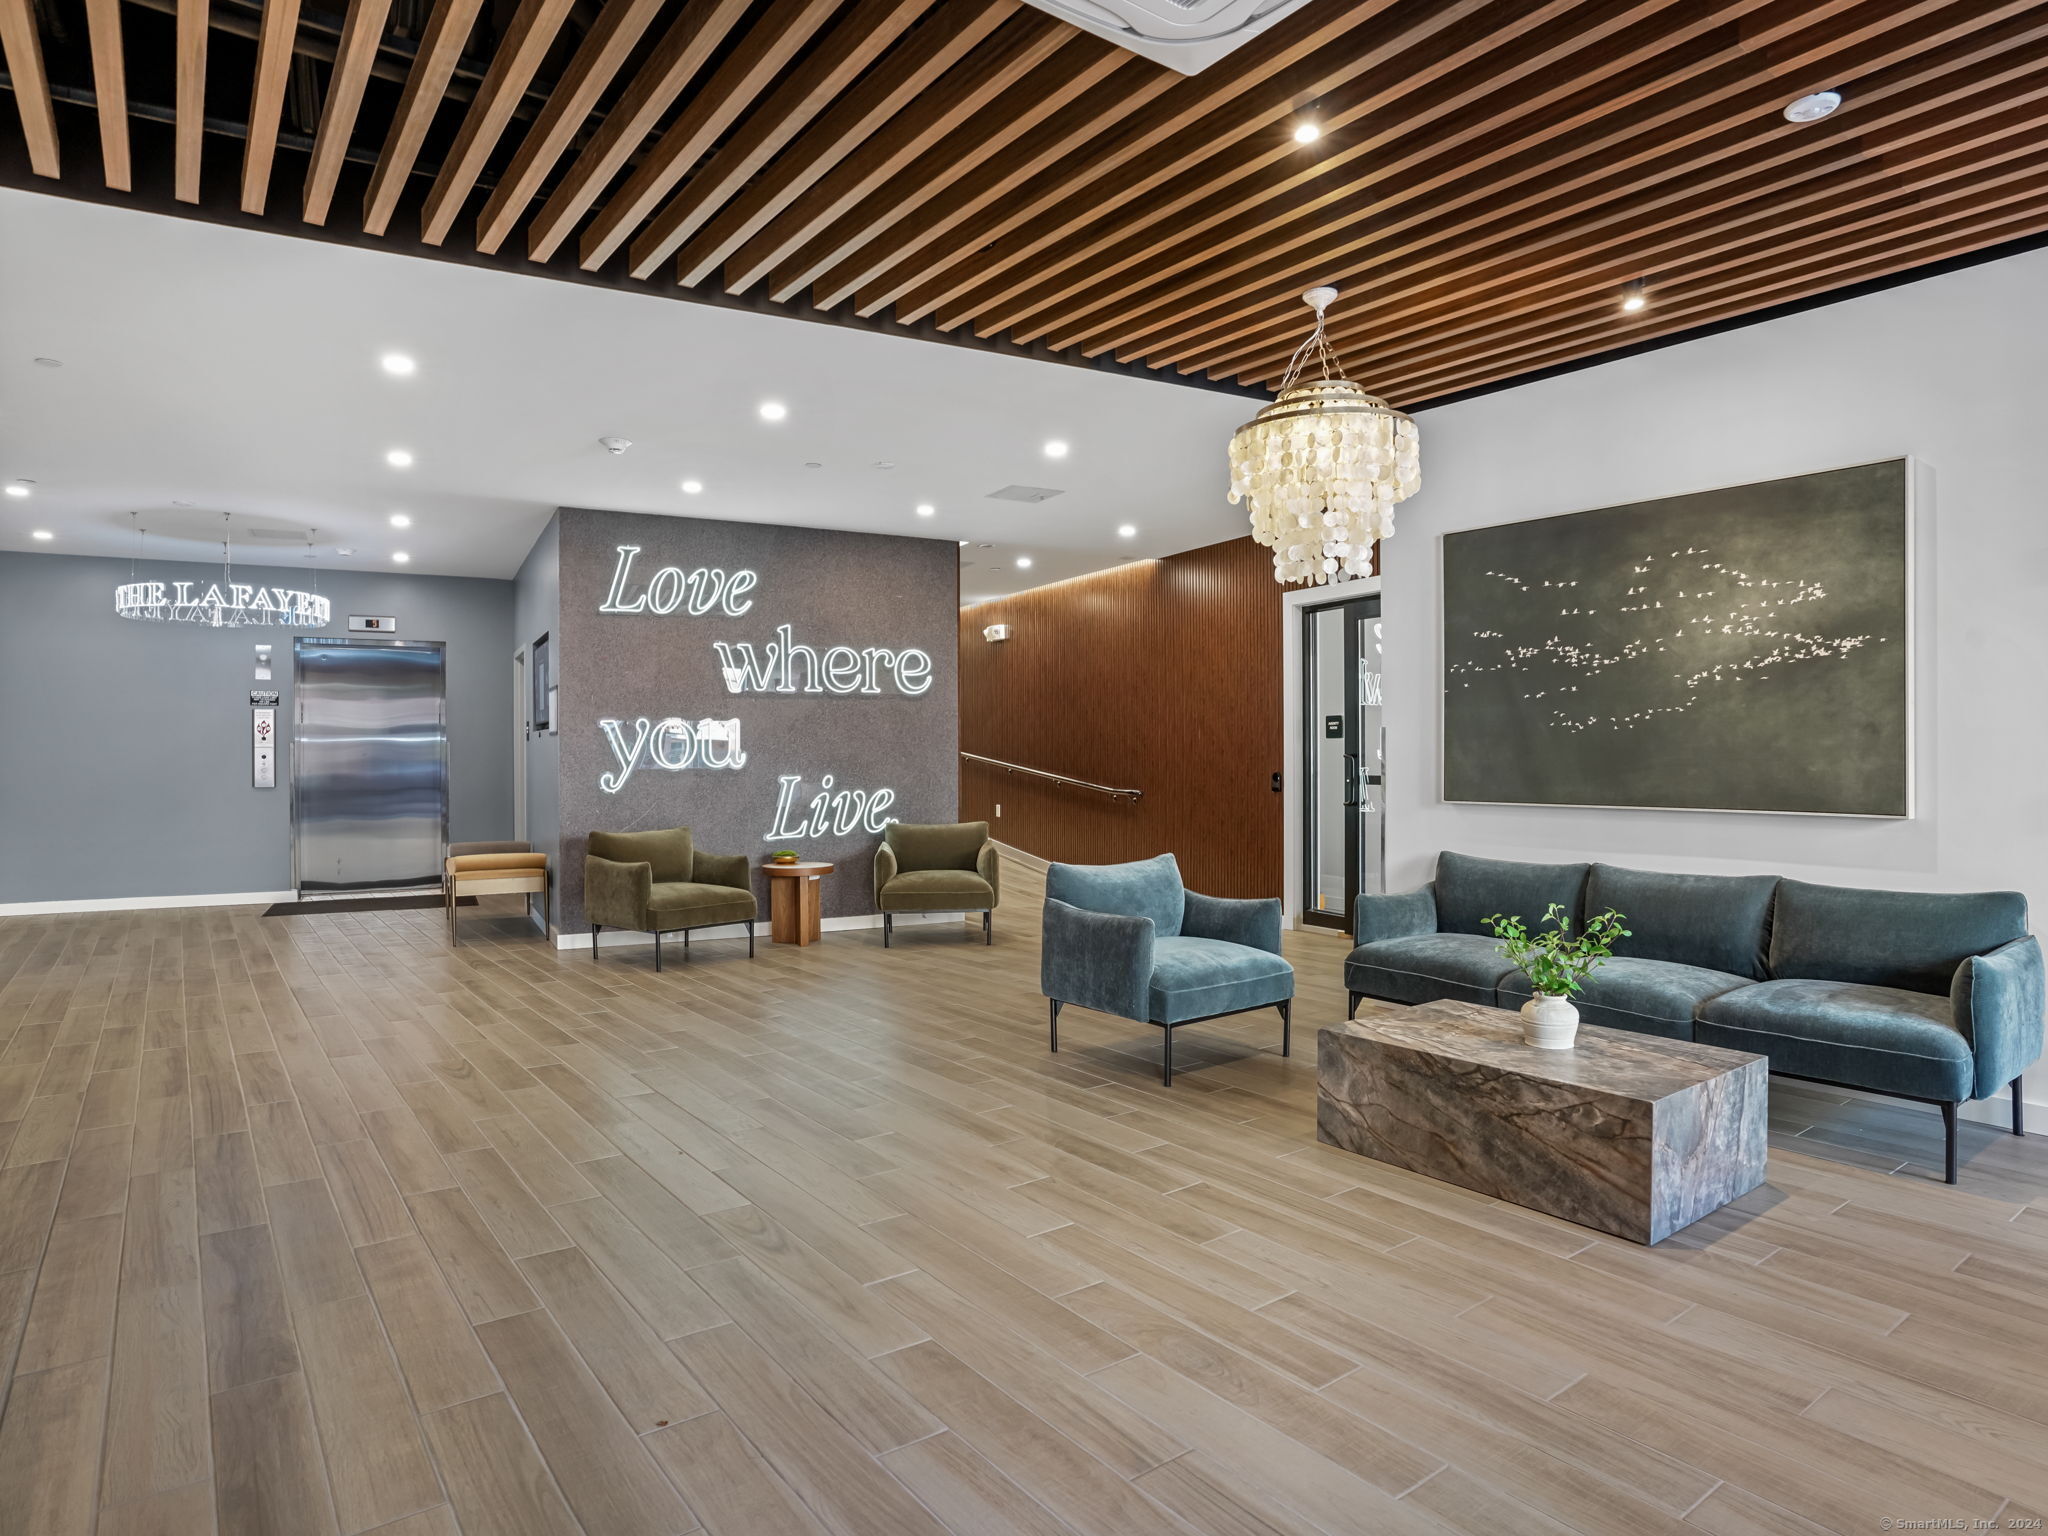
<point>2019,1110</point>
<point>657,949</point>
<point>593,941</point>
<point>1286,1027</point>
<point>1166,1061</point>
<point>1948,1125</point>
<point>1351,1001</point>
<point>988,927</point>
<point>1055,1022</point>
<point>750,938</point>
<point>888,928</point>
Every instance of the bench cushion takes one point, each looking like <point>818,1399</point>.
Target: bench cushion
<point>1194,978</point>
<point>1651,997</point>
<point>1882,1038</point>
<point>1428,966</point>
<point>1716,922</point>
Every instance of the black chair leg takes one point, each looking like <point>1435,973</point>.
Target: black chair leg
<point>750,938</point>
<point>1351,1004</point>
<point>1055,1022</point>
<point>657,949</point>
<point>988,928</point>
<point>593,941</point>
<point>686,943</point>
<point>2019,1110</point>
<point>1166,1061</point>
<point>889,927</point>
<point>1948,1125</point>
<point>1287,1027</point>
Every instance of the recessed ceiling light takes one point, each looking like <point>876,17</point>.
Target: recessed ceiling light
<point>48,362</point>
<point>400,557</point>
<point>19,488</point>
<point>1023,562</point>
<point>44,534</point>
<point>693,487</point>
<point>343,549</point>
<point>400,520</point>
<point>1306,133</point>
<point>926,509</point>
<point>1633,297</point>
<point>398,364</point>
<point>773,410</point>
<point>399,458</point>
<point>1127,531</point>
<point>1056,449</point>
<point>1811,109</point>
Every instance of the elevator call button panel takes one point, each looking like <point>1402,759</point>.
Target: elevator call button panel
<point>263,741</point>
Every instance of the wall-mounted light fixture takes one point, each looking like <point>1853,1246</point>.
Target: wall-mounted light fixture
<point>995,632</point>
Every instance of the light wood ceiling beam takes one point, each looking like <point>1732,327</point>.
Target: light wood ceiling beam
<point>914,69</point>
<point>1082,63</point>
<point>266,100</point>
<point>598,59</point>
<point>519,54</point>
<point>1411,80</point>
<point>425,90</point>
<point>110,89</point>
<point>1445,114</point>
<point>360,35</point>
<point>22,46</point>
<point>1026,41</point>
<point>763,52</point>
<point>861,36</point>
<point>1707,148</point>
<point>188,133</point>
<point>918,283</point>
<point>689,41</point>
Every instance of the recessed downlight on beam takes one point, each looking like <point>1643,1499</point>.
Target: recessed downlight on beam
<point>1307,133</point>
<point>1633,297</point>
<point>1811,109</point>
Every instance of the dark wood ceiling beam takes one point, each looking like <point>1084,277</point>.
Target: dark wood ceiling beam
<point>1790,283</point>
<point>764,51</point>
<point>266,100</point>
<point>1296,48</point>
<point>360,35</point>
<point>22,45</point>
<point>1026,42</point>
<point>519,54</point>
<point>1460,72</point>
<point>861,36</point>
<point>110,88</point>
<point>597,61</point>
<point>191,100</point>
<point>690,40</point>
<point>1726,111</point>
<point>426,88</point>
<point>910,82</point>
<point>1082,63</point>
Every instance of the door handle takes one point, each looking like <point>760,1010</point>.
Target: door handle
<point>1350,779</point>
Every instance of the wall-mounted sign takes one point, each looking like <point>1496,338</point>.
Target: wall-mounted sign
<point>673,744</point>
<point>263,698</point>
<point>840,669</point>
<point>372,623</point>
<point>695,592</point>
<point>232,607</point>
<point>841,811</point>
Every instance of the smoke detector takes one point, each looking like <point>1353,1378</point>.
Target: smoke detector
<point>615,445</point>
<point>1187,35</point>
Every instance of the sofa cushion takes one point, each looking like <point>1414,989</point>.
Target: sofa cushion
<point>1651,997</point>
<point>1469,890</point>
<point>685,904</point>
<point>945,845</point>
<point>1428,966</point>
<point>1194,978</point>
<point>937,890</point>
<point>1912,940</point>
<point>1881,1038</point>
<point>1716,922</point>
<point>1146,888</point>
<point>667,851</point>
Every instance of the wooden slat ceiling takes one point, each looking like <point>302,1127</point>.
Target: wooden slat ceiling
<point>1490,176</point>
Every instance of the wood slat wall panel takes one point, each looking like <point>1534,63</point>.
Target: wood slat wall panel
<point>1162,675</point>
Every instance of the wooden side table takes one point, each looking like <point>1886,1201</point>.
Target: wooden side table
<point>793,901</point>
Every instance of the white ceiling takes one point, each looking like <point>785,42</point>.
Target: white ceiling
<point>238,372</point>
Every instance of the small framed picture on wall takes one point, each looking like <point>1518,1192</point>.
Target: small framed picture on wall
<point>543,688</point>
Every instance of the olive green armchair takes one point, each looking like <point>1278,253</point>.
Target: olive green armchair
<point>948,868</point>
<point>656,882</point>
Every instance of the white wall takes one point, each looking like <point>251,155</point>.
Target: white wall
<point>1951,371</point>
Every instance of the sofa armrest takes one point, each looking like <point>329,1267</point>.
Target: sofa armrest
<point>989,865</point>
<point>616,894</point>
<point>1254,922</point>
<point>1099,960</point>
<point>1401,916</point>
<point>727,869</point>
<point>1999,1000</point>
<point>885,867</point>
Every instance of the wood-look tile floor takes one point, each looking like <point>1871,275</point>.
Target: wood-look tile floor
<point>314,1224</point>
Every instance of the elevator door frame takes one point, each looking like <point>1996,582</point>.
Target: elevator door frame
<point>336,642</point>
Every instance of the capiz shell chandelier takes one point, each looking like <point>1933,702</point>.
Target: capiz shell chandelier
<point>1323,466</point>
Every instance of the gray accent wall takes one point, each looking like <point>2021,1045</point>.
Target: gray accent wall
<point>124,746</point>
<point>832,589</point>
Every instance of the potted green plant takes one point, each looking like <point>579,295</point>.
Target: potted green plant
<point>782,856</point>
<point>1557,965</point>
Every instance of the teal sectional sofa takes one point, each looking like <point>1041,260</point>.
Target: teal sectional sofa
<point>1935,996</point>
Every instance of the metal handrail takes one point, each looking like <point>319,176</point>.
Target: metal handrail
<point>1057,778</point>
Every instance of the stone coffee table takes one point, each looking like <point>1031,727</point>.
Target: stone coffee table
<point>1629,1134</point>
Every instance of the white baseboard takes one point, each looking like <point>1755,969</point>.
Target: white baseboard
<point>622,937</point>
<point>146,903</point>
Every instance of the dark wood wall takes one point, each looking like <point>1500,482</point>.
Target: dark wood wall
<point>1162,675</point>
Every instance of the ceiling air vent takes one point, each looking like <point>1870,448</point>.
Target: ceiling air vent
<point>1187,35</point>
<point>1024,493</point>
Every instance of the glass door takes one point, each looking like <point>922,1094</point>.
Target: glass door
<point>1344,753</point>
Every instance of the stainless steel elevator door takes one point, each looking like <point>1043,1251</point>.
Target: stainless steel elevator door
<point>369,764</point>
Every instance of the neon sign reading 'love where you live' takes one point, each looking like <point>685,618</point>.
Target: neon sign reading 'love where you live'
<point>780,666</point>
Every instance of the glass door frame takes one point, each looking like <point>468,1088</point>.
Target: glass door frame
<point>1352,601</point>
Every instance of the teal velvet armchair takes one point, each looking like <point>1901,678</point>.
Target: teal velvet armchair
<point>659,882</point>
<point>1131,940</point>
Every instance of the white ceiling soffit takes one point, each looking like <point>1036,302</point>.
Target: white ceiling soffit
<point>1187,35</point>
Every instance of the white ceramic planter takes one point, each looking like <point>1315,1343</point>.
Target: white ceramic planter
<point>1549,1023</point>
